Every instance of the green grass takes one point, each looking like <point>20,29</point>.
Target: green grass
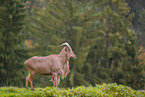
<point>104,90</point>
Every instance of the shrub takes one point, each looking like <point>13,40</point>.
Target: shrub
<point>104,90</point>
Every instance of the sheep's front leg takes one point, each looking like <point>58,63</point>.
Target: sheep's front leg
<point>58,80</point>
<point>54,75</point>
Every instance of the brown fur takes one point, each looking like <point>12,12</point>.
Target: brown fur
<point>55,64</point>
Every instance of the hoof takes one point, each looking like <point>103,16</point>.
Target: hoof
<point>27,87</point>
<point>33,89</point>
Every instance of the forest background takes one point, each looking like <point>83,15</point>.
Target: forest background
<point>106,35</point>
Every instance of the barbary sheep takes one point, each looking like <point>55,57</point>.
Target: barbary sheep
<point>55,64</point>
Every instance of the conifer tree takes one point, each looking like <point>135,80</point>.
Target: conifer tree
<point>115,54</point>
<point>137,7</point>
<point>12,15</point>
<point>141,28</point>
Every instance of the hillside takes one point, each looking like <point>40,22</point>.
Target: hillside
<point>104,90</point>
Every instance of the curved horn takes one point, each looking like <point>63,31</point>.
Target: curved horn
<point>65,44</point>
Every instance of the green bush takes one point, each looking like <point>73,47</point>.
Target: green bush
<point>104,90</point>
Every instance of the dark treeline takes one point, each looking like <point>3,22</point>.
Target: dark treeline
<point>106,35</point>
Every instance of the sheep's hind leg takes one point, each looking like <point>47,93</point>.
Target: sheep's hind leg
<point>27,78</point>
<point>55,79</point>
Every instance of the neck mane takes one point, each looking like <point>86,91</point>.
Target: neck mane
<point>65,62</point>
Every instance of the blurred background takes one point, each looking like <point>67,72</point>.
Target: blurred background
<point>106,35</point>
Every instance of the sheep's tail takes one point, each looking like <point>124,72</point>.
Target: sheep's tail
<point>26,64</point>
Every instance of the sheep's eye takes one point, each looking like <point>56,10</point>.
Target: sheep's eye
<point>66,49</point>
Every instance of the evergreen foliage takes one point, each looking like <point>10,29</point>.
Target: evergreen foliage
<point>137,7</point>
<point>12,15</point>
<point>115,53</point>
<point>141,28</point>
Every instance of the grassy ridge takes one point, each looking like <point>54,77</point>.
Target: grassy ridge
<point>104,90</point>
